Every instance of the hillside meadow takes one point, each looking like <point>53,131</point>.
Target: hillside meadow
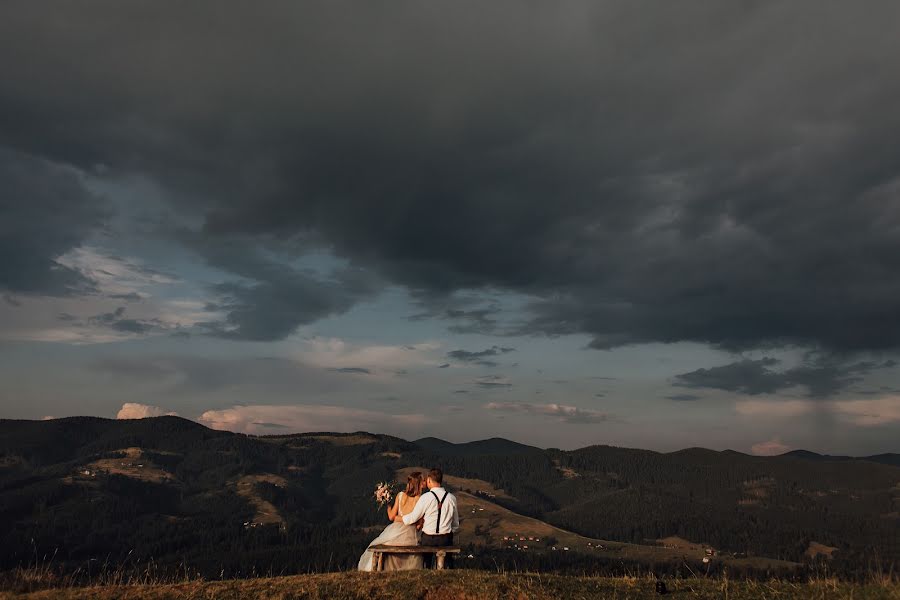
<point>468,585</point>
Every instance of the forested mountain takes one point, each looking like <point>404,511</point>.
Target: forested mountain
<point>481,447</point>
<point>87,492</point>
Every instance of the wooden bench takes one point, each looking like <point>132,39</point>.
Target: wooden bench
<point>440,553</point>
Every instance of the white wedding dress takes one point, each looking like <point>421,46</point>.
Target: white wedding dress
<point>395,534</point>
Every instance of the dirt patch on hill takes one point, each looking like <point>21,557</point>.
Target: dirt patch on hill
<point>815,548</point>
<point>675,542</point>
<point>567,472</point>
<point>134,464</point>
<point>266,513</point>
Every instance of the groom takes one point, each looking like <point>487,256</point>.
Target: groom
<point>438,507</point>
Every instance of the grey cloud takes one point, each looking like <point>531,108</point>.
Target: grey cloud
<point>129,297</point>
<point>480,357</point>
<point>117,321</point>
<point>642,172</point>
<point>191,375</point>
<point>821,378</point>
<point>352,370</point>
<point>480,320</point>
<point>881,391</point>
<point>279,298</point>
<point>566,414</point>
<point>46,212</point>
<point>493,382</point>
<point>388,399</point>
<point>683,397</point>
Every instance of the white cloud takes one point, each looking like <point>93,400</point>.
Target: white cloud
<point>565,413</point>
<point>772,447</point>
<point>267,419</point>
<point>113,274</point>
<point>134,410</point>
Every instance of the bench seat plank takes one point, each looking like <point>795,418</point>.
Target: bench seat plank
<point>415,549</point>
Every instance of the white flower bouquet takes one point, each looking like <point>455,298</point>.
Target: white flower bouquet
<point>384,493</point>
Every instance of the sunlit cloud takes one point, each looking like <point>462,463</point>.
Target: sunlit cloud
<point>134,410</point>
<point>771,447</point>
<point>114,275</point>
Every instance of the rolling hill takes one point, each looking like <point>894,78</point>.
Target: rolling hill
<point>169,491</point>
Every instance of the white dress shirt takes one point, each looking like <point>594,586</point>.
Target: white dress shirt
<point>427,506</point>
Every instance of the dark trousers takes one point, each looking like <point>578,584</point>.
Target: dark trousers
<point>444,539</point>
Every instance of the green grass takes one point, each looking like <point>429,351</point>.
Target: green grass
<point>469,585</point>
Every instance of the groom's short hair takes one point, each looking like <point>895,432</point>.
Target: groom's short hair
<point>436,475</point>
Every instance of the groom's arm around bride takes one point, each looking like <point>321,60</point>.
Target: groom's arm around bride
<point>438,507</point>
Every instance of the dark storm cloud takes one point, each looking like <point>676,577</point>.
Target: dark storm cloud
<point>710,172</point>
<point>460,320</point>
<point>45,211</point>
<point>758,377</point>
<point>480,357</point>
<point>275,297</point>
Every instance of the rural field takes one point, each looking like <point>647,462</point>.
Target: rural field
<point>468,585</point>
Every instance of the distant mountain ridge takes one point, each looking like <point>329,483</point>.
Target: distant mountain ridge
<point>489,446</point>
<point>885,459</point>
<point>95,429</point>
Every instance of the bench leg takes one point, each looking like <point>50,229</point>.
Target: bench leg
<point>379,561</point>
<point>439,560</point>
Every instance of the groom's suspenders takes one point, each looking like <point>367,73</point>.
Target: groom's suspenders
<point>437,526</point>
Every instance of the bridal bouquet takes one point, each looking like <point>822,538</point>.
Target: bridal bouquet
<point>384,493</point>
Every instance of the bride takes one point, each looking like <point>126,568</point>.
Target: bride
<point>398,534</point>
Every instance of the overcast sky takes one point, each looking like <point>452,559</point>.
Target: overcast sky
<point>647,224</point>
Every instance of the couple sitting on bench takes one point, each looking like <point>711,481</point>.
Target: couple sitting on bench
<point>424,516</point>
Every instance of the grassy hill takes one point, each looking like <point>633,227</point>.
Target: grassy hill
<point>87,494</point>
<point>470,585</point>
<point>490,525</point>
